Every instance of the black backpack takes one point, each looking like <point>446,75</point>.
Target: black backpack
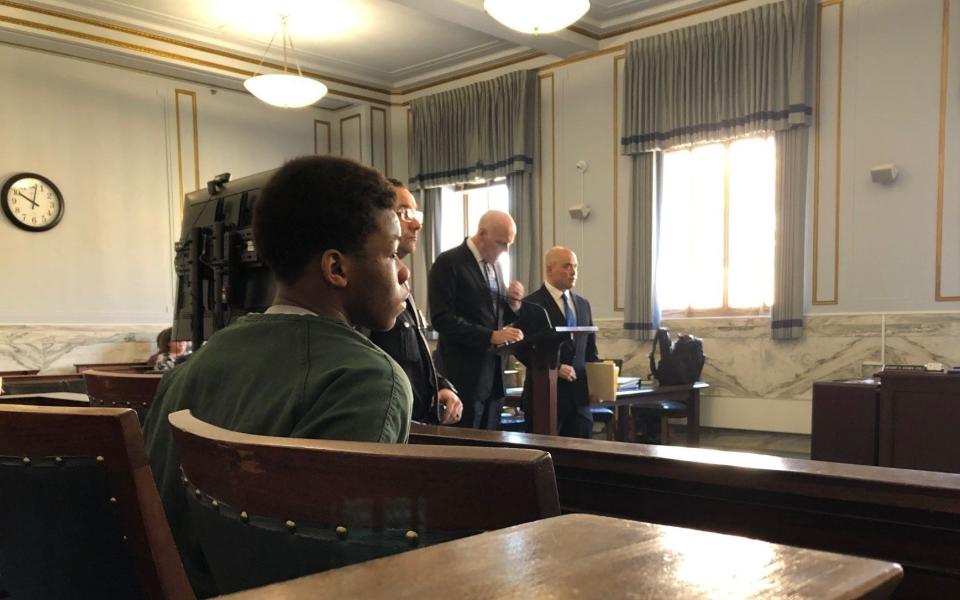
<point>681,362</point>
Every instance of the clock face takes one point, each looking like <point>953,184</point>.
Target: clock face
<point>32,202</point>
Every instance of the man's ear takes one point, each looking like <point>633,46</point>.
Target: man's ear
<point>333,268</point>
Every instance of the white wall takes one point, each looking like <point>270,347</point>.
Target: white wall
<point>103,279</point>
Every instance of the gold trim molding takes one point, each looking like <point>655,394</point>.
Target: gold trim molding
<point>816,164</point>
<point>386,145</point>
<point>196,142</point>
<point>941,149</point>
<point>616,183</point>
<point>359,135</point>
<point>317,123</point>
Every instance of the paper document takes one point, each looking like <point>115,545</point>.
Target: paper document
<point>602,381</point>
<point>628,383</point>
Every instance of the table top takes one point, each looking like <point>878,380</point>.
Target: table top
<point>587,557</point>
<point>644,389</point>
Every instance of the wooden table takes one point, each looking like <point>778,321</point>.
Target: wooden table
<point>645,395</point>
<point>623,422</point>
<point>589,557</point>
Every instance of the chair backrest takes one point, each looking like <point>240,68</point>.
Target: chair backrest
<point>80,516</point>
<point>122,389</point>
<point>269,509</point>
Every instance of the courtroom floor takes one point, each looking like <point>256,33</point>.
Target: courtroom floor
<point>785,445</point>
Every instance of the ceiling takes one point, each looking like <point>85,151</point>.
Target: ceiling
<point>379,47</point>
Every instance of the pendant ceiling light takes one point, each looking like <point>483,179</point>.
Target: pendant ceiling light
<point>285,89</point>
<point>536,16</point>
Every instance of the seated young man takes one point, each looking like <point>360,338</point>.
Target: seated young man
<point>326,228</point>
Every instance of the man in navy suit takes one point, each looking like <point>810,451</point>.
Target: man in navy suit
<point>470,307</point>
<point>565,308</point>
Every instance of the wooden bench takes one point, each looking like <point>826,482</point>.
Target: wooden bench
<point>48,399</point>
<point>38,384</point>
<point>269,509</point>
<point>22,372</point>
<point>135,367</point>
<point>79,513</point>
<point>910,517</point>
<point>122,389</point>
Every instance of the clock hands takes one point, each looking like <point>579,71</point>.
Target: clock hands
<point>29,199</point>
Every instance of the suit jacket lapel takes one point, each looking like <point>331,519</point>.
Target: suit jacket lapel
<point>556,316</point>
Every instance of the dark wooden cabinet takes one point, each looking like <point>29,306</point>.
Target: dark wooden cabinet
<point>910,420</point>
<point>844,427</point>
<point>919,421</point>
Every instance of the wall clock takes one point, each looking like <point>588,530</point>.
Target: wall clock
<point>32,202</point>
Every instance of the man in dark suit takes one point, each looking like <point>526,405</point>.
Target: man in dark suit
<point>435,399</point>
<point>565,308</point>
<point>469,308</point>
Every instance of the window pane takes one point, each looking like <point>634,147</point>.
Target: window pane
<point>451,215</point>
<point>479,201</point>
<point>690,260</point>
<point>752,170</point>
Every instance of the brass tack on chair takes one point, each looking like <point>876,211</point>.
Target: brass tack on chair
<point>197,493</point>
<point>290,525</point>
<point>26,460</point>
<point>113,500</point>
<point>215,505</point>
<point>412,538</point>
<point>100,458</point>
<point>244,516</point>
<point>58,460</point>
<point>341,532</point>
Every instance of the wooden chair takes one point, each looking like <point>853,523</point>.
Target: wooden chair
<point>80,516</point>
<point>269,509</point>
<point>122,390</point>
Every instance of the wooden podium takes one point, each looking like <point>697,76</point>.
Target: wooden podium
<point>543,350</point>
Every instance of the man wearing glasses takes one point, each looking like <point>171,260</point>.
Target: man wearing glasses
<point>434,398</point>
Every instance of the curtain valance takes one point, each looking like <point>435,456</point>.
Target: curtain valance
<point>734,76</point>
<point>483,130</point>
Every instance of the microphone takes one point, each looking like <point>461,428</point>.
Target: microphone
<point>528,326</point>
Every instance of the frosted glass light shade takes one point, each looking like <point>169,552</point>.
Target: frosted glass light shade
<point>536,16</point>
<point>285,90</point>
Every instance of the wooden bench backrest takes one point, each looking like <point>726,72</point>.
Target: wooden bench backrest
<point>122,390</point>
<point>375,492</point>
<point>134,367</point>
<point>911,517</point>
<point>38,384</point>
<point>81,514</point>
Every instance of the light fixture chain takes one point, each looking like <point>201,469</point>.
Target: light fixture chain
<point>262,58</point>
<point>293,53</point>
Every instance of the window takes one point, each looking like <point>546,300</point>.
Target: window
<point>717,229</point>
<point>461,209</point>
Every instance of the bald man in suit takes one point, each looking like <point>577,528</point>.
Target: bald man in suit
<point>469,307</point>
<point>564,308</point>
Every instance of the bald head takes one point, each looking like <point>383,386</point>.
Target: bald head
<point>561,267</point>
<point>494,235</point>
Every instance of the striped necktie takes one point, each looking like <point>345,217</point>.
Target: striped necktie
<point>568,311</point>
<point>493,284</point>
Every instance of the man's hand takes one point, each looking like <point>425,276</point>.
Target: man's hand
<point>515,295</point>
<point>567,373</point>
<point>454,407</point>
<point>507,335</point>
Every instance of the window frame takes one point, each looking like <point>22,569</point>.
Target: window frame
<point>725,310</point>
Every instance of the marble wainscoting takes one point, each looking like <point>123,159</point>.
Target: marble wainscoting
<point>56,348</point>
<point>764,384</point>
